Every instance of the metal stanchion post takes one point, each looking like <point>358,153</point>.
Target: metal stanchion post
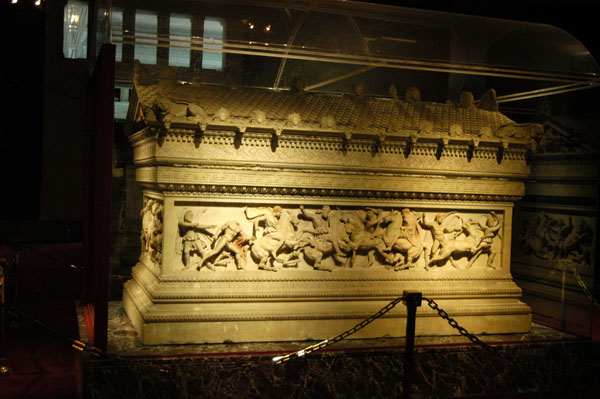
<point>4,370</point>
<point>412,300</point>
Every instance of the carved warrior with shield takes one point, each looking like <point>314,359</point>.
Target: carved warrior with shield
<point>196,237</point>
<point>326,239</point>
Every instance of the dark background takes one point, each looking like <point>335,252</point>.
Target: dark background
<point>23,36</point>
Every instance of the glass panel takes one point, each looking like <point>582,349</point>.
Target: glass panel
<point>180,31</point>
<point>116,27</point>
<point>213,33</point>
<point>333,46</point>
<point>121,102</point>
<point>146,29</point>
<point>75,29</point>
<point>116,30</point>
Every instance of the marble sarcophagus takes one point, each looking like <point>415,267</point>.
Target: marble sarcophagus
<point>286,215</point>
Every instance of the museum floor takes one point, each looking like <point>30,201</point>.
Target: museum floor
<point>544,363</point>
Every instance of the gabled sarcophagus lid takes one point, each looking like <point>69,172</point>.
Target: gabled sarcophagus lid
<point>288,215</point>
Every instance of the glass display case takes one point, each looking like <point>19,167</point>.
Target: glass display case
<point>333,46</point>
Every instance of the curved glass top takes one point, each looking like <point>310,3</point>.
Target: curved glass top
<point>335,46</point>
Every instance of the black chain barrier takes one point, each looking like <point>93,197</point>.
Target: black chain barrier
<point>95,352</point>
<point>411,301</point>
<point>432,304</point>
<point>85,347</point>
<point>338,338</point>
<point>82,346</point>
<point>454,324</point>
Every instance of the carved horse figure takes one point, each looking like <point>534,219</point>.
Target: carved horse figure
<point>458,246</point>
<point>465,246</point>
<point>266,249</point>
<point>361,240</point>
<point>408,240</point>
<point>326,237</point>
<point>315,250</point>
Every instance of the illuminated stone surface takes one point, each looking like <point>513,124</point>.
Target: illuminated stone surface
<point>277,216</point>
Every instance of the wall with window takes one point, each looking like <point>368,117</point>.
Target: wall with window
<point>160,39</point>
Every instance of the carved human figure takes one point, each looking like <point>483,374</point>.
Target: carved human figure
<point>229,237</point>
<point>438,228</point>
<point>155,233</point>
<point>410,226</point>
<point>461,241</point>
<point>279,232</point>
<point>324,238</point>
<point>373,219</point>
<point>147,220</point>
<point>485,245</point>
<point>393,228</point>
<point>360,239</point>
<point>152,216</point>
<point>576,244</point>
<point>321,223</point>
<point>193,240</point>
<point>409,241</point>
<point>267,217</point>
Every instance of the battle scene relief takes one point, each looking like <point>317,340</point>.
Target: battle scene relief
<point>550,238</point>
<point>327,238</point>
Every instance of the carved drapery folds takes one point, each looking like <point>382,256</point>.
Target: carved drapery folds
<point>151,236</point>
<point>326,239</point>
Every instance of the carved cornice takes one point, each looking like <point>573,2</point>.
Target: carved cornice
<point>189,145</point>
<point>387,200</point>
<point>203,108</point>
<point>282,287</point>
<point>294,138</point>
<point>224,311</point>
<point>253,277</point>
<point>168,297</point>
<point>478,311</point>
<point>242,183</point>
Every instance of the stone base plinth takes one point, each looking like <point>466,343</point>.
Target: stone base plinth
<point>291,308</point>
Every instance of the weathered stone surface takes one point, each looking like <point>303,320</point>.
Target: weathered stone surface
<point>270,217</point>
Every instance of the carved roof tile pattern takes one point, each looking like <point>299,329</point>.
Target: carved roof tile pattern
<point>382,116</point>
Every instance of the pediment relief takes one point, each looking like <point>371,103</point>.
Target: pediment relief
<point>168,102</point>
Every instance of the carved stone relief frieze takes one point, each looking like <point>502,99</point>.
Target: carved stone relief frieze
<point>322,238</point>
<point>222,148</point>
<point>151,236</point>
<point>352,184</point>
<point>552,237</point>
